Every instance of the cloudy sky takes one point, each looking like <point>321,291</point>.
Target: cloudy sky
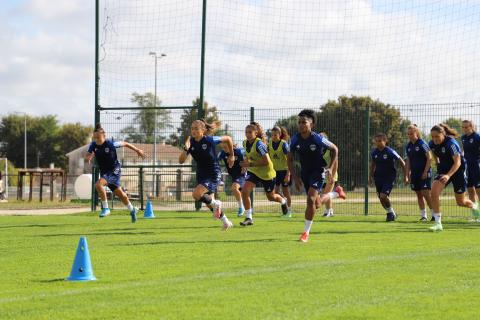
<point>271,53</point>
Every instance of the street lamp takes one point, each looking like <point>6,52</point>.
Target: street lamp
<point>156,56</point>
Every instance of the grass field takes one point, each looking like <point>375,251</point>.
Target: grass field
<point>181,266</point>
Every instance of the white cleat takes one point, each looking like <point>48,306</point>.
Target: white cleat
<point>227,225</point>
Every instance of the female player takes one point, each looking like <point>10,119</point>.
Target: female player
<point>383,172</point>
<point>259,170</point>
<point>450,168</point>
<point>310,147</point>
<point>236,173</point>
<point>419,170</point>
<point>471,150</point>
<point>105,153</point>
<point>278,150</point>
<point>201,145</point>
<point>329,184</point>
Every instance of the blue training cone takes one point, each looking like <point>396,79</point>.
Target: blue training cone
<point>148,213</point>
<point>82,266</point>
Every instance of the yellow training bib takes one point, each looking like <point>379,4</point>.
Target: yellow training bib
<point>264,172</point>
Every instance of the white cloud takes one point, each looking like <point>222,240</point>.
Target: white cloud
<point>267,53</point>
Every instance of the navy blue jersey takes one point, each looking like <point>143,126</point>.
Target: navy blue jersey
<point>106,155</point>
<point>235,170</point>
<point>385,163</point>
<point>417,156</point>
<point>203,152</point>
<point>445,153</point>
<point>310,151</point>
<point>471,148</point>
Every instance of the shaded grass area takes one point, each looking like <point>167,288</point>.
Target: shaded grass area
<point>181,266</point>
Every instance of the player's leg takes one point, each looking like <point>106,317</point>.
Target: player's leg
<point>248,187</point>
<point>328,203</point>
<point>100,187</point>
<point>235,188</point>
<point>421,205</point>
<point>288,197</point>
<point>203,194</point>
<point>124,198</point>
<point>437,188</point>
<point>269,187</point>
<point>310,209</point>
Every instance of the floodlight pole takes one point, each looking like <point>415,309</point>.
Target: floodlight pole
<point>154,54</point>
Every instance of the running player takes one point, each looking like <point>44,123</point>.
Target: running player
<point>471,149</point>
<point>278,150</point>
<point>236,173</point>
<point>384,173</point>
<point>329,184</point>
<point>450,168</point>
<point>310,147</point>
<point>201,145</point>
<point>259,170</point>
<point>419,172</point>
<point>105,152</point>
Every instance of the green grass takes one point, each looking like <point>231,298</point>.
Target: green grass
<point>181,266</point>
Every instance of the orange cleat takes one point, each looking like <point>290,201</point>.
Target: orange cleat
<point>341,193</point>
<point>304,237</point>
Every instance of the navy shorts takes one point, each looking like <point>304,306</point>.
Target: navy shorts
<point>384,186</point>
<point>268,185</point>
<point>239,179</point>
<point>313,180</point>
<point>210,184</point>
<point>473,175</point>
<point>418,184</point>
<point>113,179</point>
<point>458,180</point>
<point>281,177</point>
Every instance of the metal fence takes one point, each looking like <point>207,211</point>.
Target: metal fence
<point>169,185</point>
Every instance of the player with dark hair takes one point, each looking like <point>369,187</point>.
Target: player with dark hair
<point>384,173</point>
<point>451,168</point>
<point>278,149</point>
<point>104,151</point>
<point>259,170</point>
<point>471,150</point>
<point>310,147</point>
<point>201,145</point>
<point>236,173</point>
<point>419,172</point>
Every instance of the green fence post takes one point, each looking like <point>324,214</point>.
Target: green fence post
<point>140,187</point>
<point>366,157</point>
<point>252,118</point>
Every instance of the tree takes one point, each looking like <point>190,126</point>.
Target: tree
<point>47,142</point>
<point>344,121</point>
<point>190,115</point>
<point>143,126</point>
<point>70,137</point>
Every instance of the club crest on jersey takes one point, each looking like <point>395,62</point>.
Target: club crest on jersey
<point>204,146</point>
<point>408,149</point>
<point>107,150</point>
<point>471,140</point>
<point>385,156</point>
<point>443,149</point>
<point>313,147</point>
<point>417,148</point>
<point>298,146</point>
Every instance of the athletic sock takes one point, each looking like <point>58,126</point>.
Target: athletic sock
<point>390,210</point>
<point>438,218</point>
<point>249,214</point>
<point>423,213</point>
<point>333,195</point>
<point>308,225</point>
<point>129,206</point>
<point>284,201</point>
<point>240,204</point>
<point>207,199</point>
<point>223,218</point>
<point>105,204</point>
